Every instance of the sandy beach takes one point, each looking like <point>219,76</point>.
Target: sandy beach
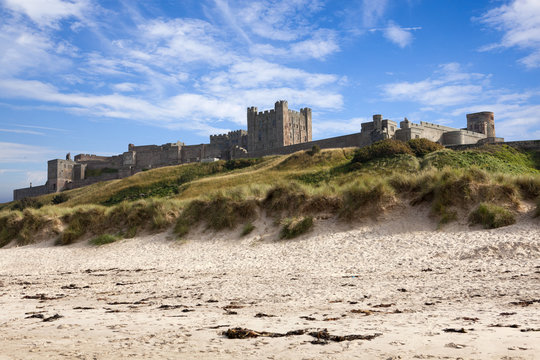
<point>424,293</point>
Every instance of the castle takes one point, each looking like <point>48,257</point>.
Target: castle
<point>271,132</point>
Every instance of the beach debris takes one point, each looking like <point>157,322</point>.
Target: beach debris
<point>309,318</point>
<point>83,308</point>
<point>187,310</point>
<point>383,305</point>
<point>452,330</point>
<point>325,336</point>
<point>43,297</point>
<point>455,346</point>
<point>212,301</point>
<point>361,311</point>
<point>231,313</point>
<point>525,303</point>
<point>331,319</point>
<point>74,287</point>
<point>243,333</point>
<point>402,290</point>
<point>507,313</point>
<point>233,305</point>
<point>322,336</point>
<point>52,318</point>
<point>426,270</point>
<point>35,316</point>
<point>429,303</point>
<point>260,315</point>
<point>514,326</point>
<point>466,318</point>
<point>530,329</point>
<point>170,307</point>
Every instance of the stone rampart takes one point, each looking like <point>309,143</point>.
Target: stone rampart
<point>352,140</point>
<point>19,194</point>
<point>527,145</point>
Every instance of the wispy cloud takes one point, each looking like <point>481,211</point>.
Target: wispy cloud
<point>519,20</point>
<point>398,35</point>
<point>16,131</point>
<point>373,11</point>
<point>16,153</point>
<point>449,85</point>
<point>49,12</point>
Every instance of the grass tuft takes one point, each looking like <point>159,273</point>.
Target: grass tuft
<point>103,239</point>
<point>294,227</point>
<point>491,216</point>
<point>247,229</point>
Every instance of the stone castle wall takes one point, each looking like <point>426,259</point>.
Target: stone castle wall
<point>271,132</point>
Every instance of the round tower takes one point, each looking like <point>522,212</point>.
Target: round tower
<point>482,122</point>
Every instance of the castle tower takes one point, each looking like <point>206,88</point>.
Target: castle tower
<point>482,122</point>
<point>252,128</point>
<point>283,129</point>
<point>277,127</point>
<point>377,121</point>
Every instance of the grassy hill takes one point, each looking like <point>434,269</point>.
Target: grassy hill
<point>489,183</point>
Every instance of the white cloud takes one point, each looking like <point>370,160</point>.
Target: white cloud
<point>322,43</point>
<point>448,86</point>
<point>49,12</point>
<point>125,87</point>
<point>283,20</point>
<point>520,22</point>
<point>373,11</point>
<point>28,51</point>
<point>399,36</point>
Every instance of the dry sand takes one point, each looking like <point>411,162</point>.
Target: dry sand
<point>153,297</point>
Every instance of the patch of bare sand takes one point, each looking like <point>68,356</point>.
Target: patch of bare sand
<point>453,293</point>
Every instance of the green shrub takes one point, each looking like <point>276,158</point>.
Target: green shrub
<point>27,203</point>
<point>315,149</point>
<point>421,146</point>
<point>492,216</point>
<point>59,198</point>
<point>103,239</point>
<point>293,227</point>
<point>247,229</point>
<point>381,149</point>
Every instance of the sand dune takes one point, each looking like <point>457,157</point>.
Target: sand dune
<point>451,293</point>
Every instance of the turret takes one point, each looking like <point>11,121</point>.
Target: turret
<point>482,122</point>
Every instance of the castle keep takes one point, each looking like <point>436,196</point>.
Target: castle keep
<point>270,132</point>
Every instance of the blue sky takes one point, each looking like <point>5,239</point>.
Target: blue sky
<point>91,76</point>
